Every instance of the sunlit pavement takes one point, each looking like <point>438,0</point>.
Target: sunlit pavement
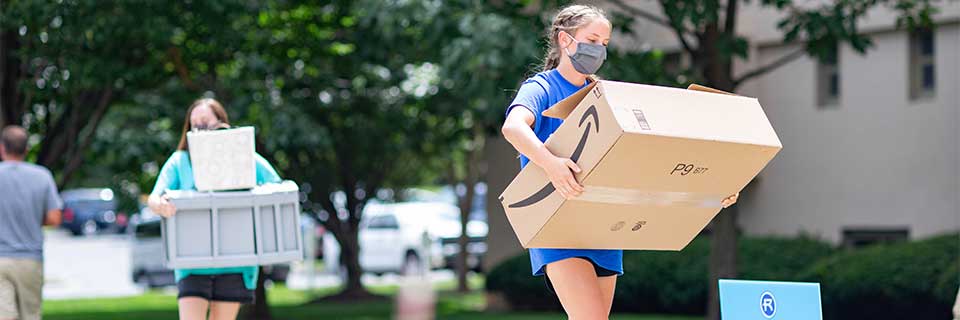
<point>87,267</point>
<point>300,278</point>
<point>100,267</point>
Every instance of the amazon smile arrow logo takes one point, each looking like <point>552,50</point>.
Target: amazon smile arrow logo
<point>544,192</point>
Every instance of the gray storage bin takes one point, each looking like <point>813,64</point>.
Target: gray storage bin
<point>260,226</point>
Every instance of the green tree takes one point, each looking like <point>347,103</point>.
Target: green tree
<point>483,52</point>
<point>104,85</point>
<point>342,111</point>
<point>333,107</point>
<point>62,67</point>
<point>706,30</point>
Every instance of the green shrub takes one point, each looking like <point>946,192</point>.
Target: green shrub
<point>897,281</point>
<point>779,259</point>
<point>664,281</point>
<point>513,278</point>
<point>949,284</point>
<point>667,281</point>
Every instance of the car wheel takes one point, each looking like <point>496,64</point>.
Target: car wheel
<point>144,279</point>
<point>151,283</point>
<point>478,267</point>
<point>411,265</point>
<point>89,228</point>
<point>279,273</point>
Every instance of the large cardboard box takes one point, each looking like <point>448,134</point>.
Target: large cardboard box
<point>223,159</point>
<point>656,163</point>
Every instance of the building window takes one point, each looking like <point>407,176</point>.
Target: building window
<point>923,77</point>
<point>828,79</point>
<point>858,238</point>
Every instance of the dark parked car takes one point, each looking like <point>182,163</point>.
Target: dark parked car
<point>91,211</point>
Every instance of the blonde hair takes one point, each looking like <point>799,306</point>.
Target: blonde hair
<point>569,19</point>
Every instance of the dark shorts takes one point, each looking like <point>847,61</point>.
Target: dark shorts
<point>221,287</point>
<point>601,272</point>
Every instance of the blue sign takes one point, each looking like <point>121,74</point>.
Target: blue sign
<point>763,300</point>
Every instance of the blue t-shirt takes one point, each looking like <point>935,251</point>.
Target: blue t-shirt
<point>537,94</point>
<point>177,174</point>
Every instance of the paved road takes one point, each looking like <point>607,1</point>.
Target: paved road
<point>99,267</point>
<point>300,279</point>
<point>86,267</point>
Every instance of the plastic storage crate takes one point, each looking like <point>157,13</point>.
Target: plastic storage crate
<point>260,226</point>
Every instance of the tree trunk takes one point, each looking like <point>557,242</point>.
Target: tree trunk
<point>75,159</point>
<point>346,232</point>
<point>473,158</point>
<point>718,73</point>
<point>350,257</point>
<point>11,111</point>
<point>260,309</point>
<point>462,267</point>
<point>353,290</point>
<point>723,256</point>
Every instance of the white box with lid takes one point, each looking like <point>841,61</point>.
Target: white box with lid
<point>223,159</point>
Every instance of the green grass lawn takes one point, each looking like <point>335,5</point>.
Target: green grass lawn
<point>292,304</point>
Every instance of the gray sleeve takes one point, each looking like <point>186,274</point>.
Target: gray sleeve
<point>52,199</point>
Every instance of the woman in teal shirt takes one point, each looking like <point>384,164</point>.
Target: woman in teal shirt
<point>220,291</point>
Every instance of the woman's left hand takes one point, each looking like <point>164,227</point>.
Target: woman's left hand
<point>729,201</point>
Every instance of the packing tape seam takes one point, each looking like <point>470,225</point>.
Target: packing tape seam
<point>613,195</point>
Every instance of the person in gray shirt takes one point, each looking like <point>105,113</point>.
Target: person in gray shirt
<point>28,201</point>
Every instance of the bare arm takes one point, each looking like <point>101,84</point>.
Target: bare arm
<point>517,130</point>
<point>53,218</point>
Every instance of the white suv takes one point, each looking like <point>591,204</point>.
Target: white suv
<point>404,237</point>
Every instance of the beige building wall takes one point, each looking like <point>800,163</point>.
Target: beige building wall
<point>877,160</point>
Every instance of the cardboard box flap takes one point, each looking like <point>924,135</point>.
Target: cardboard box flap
<point>697,87</point>
<point>563,108</point>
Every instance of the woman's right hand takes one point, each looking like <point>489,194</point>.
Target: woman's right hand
<point>163,207</point>
<point>517,129</point>
<point>559,171</point>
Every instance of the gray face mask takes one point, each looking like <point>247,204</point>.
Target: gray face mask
<point>589,56</point>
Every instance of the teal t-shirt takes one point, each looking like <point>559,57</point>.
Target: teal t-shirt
<point>177,174</point>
